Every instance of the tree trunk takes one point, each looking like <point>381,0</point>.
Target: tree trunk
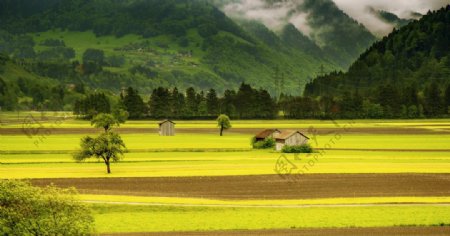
<point>221,130</point>
<point>108,169</point>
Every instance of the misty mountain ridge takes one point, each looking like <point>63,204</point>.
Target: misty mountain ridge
<point>178,43</point>
<point>340,37</point>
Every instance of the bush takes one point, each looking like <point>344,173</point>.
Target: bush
<point>28,210</point>
<point>304,148</point>
<point>265,144</point>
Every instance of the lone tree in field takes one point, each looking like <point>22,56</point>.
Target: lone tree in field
<point>105,121</point>
<point>108,146</point>
<point>223,121</point>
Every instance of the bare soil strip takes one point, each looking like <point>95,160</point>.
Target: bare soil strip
<point>264,206</point>
<point>319,131</point>
<point>265,186</point>
<point>398,231</point>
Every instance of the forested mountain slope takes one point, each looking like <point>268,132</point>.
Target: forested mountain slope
<point>150,43</point>
<point>410,67</point>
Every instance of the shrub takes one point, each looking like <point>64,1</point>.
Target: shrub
<point>304,148</point>
<point>28,210</point>
<point>264,144</point>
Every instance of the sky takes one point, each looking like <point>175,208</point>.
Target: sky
<point>277,16</point>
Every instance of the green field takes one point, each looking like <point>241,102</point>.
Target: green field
<point>152,164</point>
<point>419,147</point>
<point>119,218</point>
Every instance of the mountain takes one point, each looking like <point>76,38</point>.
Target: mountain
<point>340,38</point>
<point>410,67</point>
<point>391,18</point>
<point>110,44</point>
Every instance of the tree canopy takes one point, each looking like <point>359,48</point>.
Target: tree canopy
<point>223,121</point>
<point>28,210</point>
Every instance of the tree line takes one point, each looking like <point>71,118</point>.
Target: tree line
<point>384,101</point>
<point>245,103</point>
<point>387,101</point>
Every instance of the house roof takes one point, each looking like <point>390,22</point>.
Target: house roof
<point>266,133</point>
<point>166,120</point>
<point>287,134</point>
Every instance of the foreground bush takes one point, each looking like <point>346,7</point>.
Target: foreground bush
<point>265,144</point>
<point>304,148</point>
<point>28,210</point>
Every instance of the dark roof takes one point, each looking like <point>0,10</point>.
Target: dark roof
<point>166,120</point>
<point>288,133</point>
<point>266,133</point>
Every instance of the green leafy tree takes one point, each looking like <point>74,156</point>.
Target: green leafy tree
<point>28,210</point>
<point>105,121</point>
<point>121,115</point>
<point>107,146</point>
<point>96,56</point>
<point>223,121</point>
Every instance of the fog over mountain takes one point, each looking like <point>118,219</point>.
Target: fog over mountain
<point>361,11</point>
<point>277,13</point>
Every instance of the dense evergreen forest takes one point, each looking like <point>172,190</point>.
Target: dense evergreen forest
<point>406,74</point>
<point>246,103</point>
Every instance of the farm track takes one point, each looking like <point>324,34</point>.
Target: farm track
<point>265,186</point>
<point>398,231</point>
<point>319,131</point>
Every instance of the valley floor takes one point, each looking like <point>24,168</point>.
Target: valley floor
<point>369,177</point>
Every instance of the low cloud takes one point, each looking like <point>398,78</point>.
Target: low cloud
<point>274,16</point>
<point>360,10</point>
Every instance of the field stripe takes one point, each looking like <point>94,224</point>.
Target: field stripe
<point>263,206</point>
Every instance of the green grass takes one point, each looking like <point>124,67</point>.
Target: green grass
<point>71,142</point>
<point>152,141</point>
<point>151,164</point>
<point>122,218</point>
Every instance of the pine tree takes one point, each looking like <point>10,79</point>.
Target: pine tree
<point>212,102</point>
<point>191,102</point>
<point>134,104</point>
<point>433,100</point>
<point>447,99</point>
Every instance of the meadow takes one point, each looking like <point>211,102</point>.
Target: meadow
<point>381,150</point>
<point>120,218</point>
<point>154,164</point>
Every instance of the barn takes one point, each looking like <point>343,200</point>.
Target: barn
<point>166,128</point>
<point>291,138</point>
<point>267,133</point>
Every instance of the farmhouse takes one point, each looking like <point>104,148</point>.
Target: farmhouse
<point>267,133</point>
<point>291,138</point>
<point>166,128</point>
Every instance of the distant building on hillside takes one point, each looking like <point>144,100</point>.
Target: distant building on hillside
<point>290,138</point>
<point>267,133</point>
<point>166,128</point>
